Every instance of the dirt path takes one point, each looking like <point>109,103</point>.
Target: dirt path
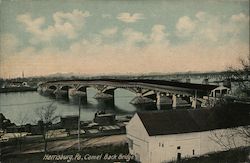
<point>115,139</point>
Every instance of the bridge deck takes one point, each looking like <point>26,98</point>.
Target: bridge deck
<point>160,83</point>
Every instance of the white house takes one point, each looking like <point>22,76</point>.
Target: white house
<point>162,136</point>
<point>220,91</point>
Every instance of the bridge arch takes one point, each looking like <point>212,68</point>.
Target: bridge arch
<point>82,88</point>
<point>53,87</point>
<point>145,89</point>
<point>66,87</point>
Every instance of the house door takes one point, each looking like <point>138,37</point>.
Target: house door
<point>137,157</point>
<point>178,156</point>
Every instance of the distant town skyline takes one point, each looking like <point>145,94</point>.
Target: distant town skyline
<point>40,37</point>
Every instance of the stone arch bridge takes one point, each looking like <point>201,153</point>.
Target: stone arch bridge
<point>146,91</point>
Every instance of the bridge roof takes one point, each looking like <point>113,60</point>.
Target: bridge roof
<point>199,87</point>
<point>194,120</point>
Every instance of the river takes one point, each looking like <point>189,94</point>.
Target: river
<point>21,107</point>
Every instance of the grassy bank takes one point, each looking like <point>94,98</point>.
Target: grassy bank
<point>240,155</point>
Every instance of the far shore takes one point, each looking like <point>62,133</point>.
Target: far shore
<point>17,89</point>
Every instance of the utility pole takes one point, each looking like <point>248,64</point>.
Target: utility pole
<point>195,98</point>
<point>79,123</point>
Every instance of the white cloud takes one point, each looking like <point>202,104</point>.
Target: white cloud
<point>201,15</point>
<point>33,26</point>
<point>130,18</point>
<point>237,24</point>
<point>100,57</point>
<point>65,24</point>
<point>158,33</point>
<point>96,59</point>
<point>133,36</point>
<point>96,39</point>
<point>107,16</point>
<point>210,34</point>
<point>206,27</point>
<point>154,56</point>
<point>109,31</point>
<point>185,26</point>
<point>240,18</point>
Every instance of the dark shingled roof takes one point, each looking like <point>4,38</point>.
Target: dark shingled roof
<point>186,121</point>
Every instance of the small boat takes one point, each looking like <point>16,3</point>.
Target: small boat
<point>103,118</point>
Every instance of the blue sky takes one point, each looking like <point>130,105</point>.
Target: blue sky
<point>94,37</point>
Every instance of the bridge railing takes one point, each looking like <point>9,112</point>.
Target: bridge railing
<point>154,87</point>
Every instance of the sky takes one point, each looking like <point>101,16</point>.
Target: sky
<point>41,37</point>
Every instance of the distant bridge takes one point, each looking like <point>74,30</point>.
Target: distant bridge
<point>147,91</point>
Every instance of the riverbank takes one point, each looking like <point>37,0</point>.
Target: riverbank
<point>17,89</point>
<point>115,144</point>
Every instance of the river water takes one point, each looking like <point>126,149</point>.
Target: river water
<point>21,107</point>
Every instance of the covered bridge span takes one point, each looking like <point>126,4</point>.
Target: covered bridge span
<point>159,91</point>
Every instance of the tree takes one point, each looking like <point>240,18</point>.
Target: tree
<point>243,81</point>
<point>241,76</point>
<point>233,116</point>
<point>47,115</point>
<point>225,138</point>
<point>20,135</point>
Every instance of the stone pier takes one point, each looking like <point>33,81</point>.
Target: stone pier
<point>105,94</point>
<point>194,100</point>
<point>61,93</point>
<point>101,95</point>
<point>75,94</point>
<point>48,92</point>
<point>174,101</point>
<point>163,99</point>
<point>140,99</point>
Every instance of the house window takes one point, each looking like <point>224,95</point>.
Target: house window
<point>193,151</point>
<point>224,91</point>
<point>179,147</point>
<point>137,157</point>
<point>161,144</point>
<point>217,93</point>
<point>130,143</point>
